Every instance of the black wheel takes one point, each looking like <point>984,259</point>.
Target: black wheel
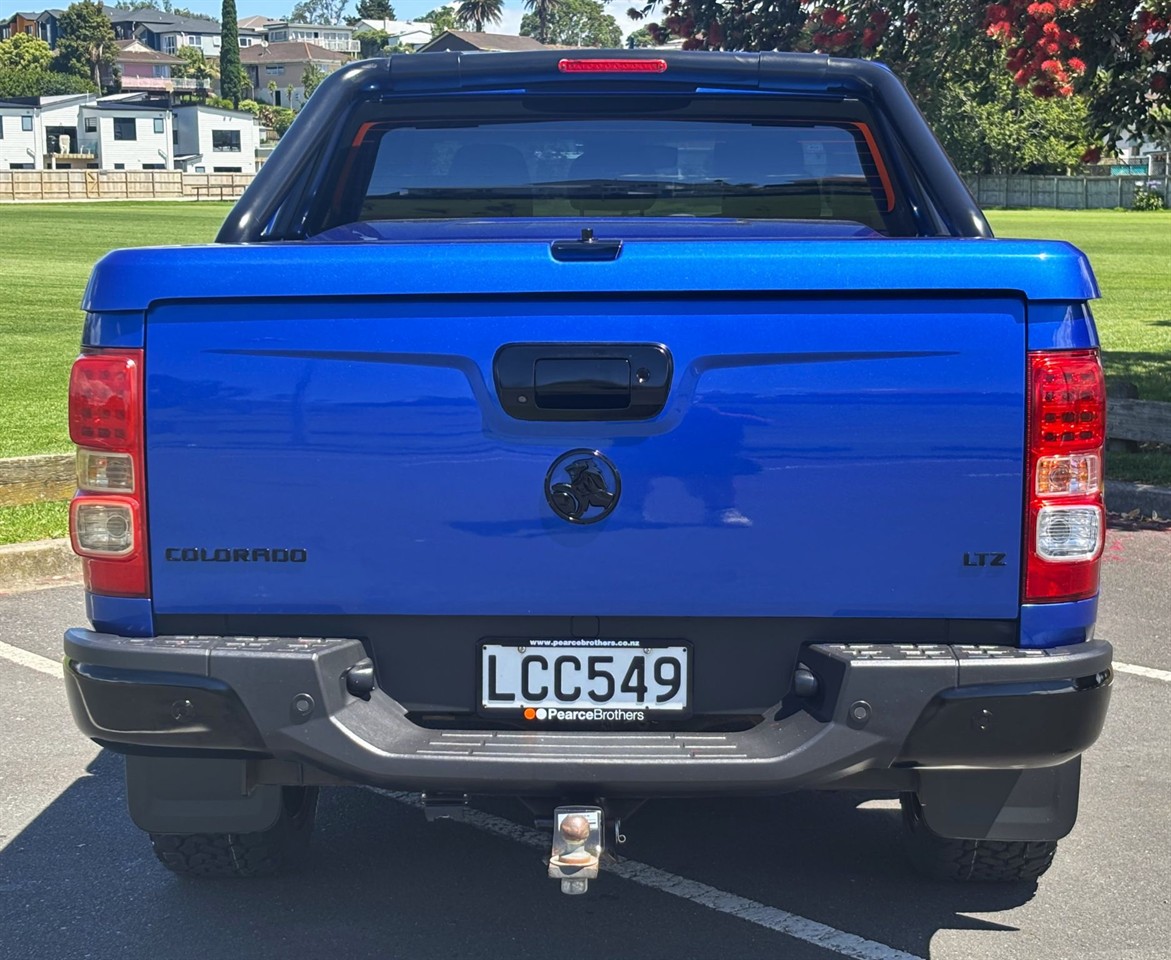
<point>243,854</point>
<point>988,861</point>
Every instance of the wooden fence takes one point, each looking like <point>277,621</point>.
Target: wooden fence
<point>1063,193</point>
<point>41,185</point>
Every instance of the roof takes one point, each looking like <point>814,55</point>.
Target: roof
<point>132,51</point>
<point>131,101</point>
<point>54,100</point>
<point>486,41</point>
<point>252,23</point>
<point>293,51</point>
<point>220,110</point>
<point>167,21</point>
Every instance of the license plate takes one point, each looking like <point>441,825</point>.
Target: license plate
<point>590,679</point>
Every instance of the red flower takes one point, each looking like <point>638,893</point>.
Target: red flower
<point>1076,64</point>
<point>1159,82</point>
<point>1041,11</point>
<point>842,38</point>
<point>870,38</point>
<point>1093,155</point>
<point>997,12</point>
<point>833,18</point>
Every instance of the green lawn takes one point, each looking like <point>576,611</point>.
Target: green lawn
<point>1131,256</point>
<point>46,253</point>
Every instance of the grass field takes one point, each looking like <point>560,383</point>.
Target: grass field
<point>47,251</point>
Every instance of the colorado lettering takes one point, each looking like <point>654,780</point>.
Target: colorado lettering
<point>236,554</point>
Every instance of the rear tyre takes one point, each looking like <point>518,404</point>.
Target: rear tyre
<point>987,861</point>
<point>244,854</point>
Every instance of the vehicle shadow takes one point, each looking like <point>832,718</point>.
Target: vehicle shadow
<point>80,880</point>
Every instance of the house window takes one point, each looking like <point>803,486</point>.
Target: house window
<point>119,166</point>
<point>1,128</point>
<point>91,124</point>
<point>162,69</point>
<point>225,169</point>
<point>159,127</point>
<point>154,166</point>
<point>169,44</point>
<point>124,129</point>
<point>201,169</point>
<point>26,124</point>
<point>225,141</point>
<point>275,70</point>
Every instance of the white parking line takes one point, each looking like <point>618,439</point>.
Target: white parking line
<point>771,918</point>
<point>34,661</point>
<point>1151,672</point>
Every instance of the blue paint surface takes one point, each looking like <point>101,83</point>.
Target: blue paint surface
<point>123,616</point>
<point>1058,624</point>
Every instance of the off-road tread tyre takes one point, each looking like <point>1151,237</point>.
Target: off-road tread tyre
<point>208,855</point>
<point>975,861</point>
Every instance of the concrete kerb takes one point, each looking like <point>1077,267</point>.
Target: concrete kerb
<point>24,565</point>
<point>1148,500</point>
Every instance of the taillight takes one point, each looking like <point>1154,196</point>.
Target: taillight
<point>1067,434</point>
<point>106,518</point>
<point>632,65</point>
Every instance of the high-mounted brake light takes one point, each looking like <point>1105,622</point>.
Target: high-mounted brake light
<point>106,518</point>
<point>1065,516</point>
<point>612,66</point>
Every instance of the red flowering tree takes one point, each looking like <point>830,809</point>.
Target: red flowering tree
<point>1115,52</point>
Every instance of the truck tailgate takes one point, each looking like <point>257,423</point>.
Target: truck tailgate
<point>820,454</point>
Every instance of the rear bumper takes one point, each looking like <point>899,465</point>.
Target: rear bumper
<point>879,708</point>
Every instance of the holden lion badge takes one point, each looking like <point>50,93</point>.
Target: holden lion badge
<point>582,486</point>
<point>577,847</point>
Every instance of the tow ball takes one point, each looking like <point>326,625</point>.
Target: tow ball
<point>578,845</point>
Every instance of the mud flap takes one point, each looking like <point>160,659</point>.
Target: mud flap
<point>1036,804</point>
<point>180,795</point>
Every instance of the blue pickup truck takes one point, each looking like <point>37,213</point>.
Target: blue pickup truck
<point>589,428</point>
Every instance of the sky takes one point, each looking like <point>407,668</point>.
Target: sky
<point>404,10</point>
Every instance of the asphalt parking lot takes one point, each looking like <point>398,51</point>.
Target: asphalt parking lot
<point>804,876</point>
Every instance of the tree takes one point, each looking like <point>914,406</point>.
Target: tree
<point>319,11</point>
<point>441,19</point>
<point>185,12</point>
<point>232,77</point>
<point>375,10</point>
<point>22,52</point>
<point>311,78</point>
<point>86,43</point>
<point>39,82</point>
<point>372,42</point>
<point>1117,53</point>
<point>195,65</point>
<point>575,23</point>
<point>478,13</point>
<point>543,10</point>
<point>642,37</point>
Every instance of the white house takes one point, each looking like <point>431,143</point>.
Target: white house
<point>409,33</point>
<point>336,37</point>
<point>210,140</point>
<point>37,133</point>
<point>128,131</point>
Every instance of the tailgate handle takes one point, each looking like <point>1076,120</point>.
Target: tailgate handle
<point>595,381</point>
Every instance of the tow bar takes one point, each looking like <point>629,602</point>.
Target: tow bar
<point>577,847</point>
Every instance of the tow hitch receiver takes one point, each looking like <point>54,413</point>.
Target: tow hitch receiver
<point>577,847</point>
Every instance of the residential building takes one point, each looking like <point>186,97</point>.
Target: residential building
<point>129,131</point>
<point>49,26</point>
<point>408,33</point>
<point>283,65</point>
<point>19,23</point>
<point>336,37</point>
<point>252,30</point>
<point>166,32</point>
<point>210,140</point>
<point>38,133</point>
<point>464,40</point>
<point>142,68</point>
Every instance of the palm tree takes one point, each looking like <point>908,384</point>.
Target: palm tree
<point>477,13</point>
<point>542,8</point>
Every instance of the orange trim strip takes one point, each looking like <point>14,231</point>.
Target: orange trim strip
<point>879,165</point>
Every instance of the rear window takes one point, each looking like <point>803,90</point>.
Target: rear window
<point>615,167</point>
